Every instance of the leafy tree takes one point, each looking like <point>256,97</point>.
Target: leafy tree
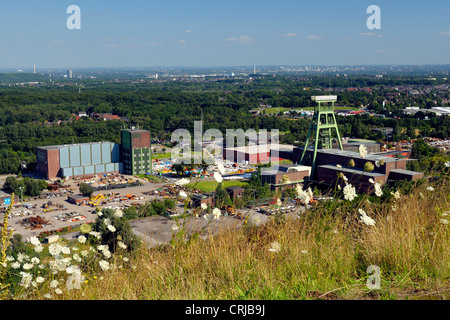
<point>121,231</point>
<point>86,190</point>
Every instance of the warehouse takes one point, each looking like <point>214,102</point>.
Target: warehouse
<point>253,154</point>
<point>75,160</point>
<point>96,158</point>
<point>284,175</point>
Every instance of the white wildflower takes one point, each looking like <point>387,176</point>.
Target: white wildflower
<point>118,213</point>
<point>430,188</point>
<point>175,227</point>
<point>58,291</point>
<point>35,260</point>
<point>204,206</point>
<point>378,189</point>
<point>396,194</point>
<point>15,265</point>
<point>349,192</point>
<point>218,177</point>
<point>275,246</point>
<point>362,150</point>
<point>254,220</point>
<point>216,213</point>
<point>70,270</point>
<point>40,279</point>
<point>26,279</point>
<point>221,168</point>
<point>182,194</point>
<point>38,249</point>
<point>365,218</point>
<point>54,249</point>
<point>95,234</point>
<point>302,195</point>
<point>76,257</point>
<point>82,239</point>
<point>54,283</point>
<point>27,266</point>
<point>111,228</point>
<point>121,245</point>
<point>102,247</point>
<point>22,257</point>
<point>371,181</point>
<point>35,241</point>
<point>65,250</point>
<point>104,264</point>
<point>444,221</point>
<point>106,254</point>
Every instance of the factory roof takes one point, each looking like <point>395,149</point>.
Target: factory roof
<point>407,172</point>
<point>353,171</point>
<point>70,145</point>
<point>356,155</point>
<point>262,148</point>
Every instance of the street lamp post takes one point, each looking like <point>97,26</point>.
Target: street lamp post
<point>21,194</point>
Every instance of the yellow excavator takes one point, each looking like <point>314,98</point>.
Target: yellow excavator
<point>97,200</point>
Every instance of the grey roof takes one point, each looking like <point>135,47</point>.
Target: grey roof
<point>372,157</point>
<point>405,171</point>
<point>56,147</point>
<point>353,171</point>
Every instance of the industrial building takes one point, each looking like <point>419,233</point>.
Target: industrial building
<point>84,159</point>
<point>284,175</point>
<point>96,158</point>
<point>136,151</point>
<point>253,154</point>
<point>323,163</point>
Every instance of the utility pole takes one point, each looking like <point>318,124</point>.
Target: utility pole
<point>21,194</point>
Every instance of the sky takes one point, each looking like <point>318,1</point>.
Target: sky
<point>118,33</point>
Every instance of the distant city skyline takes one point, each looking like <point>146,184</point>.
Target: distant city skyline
<point>217,33</point>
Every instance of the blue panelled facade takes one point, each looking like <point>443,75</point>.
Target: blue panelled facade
<point>89,159</point>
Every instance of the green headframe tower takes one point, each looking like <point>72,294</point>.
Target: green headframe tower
<point>323,130</point>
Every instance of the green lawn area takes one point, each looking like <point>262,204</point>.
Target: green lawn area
<point>161,155</point>
<point>208,186</point>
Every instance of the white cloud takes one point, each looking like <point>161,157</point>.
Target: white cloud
<point>182,41</point>
<point>188,31</point>
<point>289,35</point>
<point>241,39</point>
<point>445,33</point>
<point>313,37</point>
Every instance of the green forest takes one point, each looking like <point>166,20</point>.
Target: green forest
<point>46,115</point>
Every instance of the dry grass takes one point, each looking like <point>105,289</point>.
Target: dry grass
<point>325,254</point>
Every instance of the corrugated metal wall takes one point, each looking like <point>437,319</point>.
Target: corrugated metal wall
<point>90,159</point>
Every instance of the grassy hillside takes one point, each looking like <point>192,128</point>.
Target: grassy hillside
<point>324,253</point>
